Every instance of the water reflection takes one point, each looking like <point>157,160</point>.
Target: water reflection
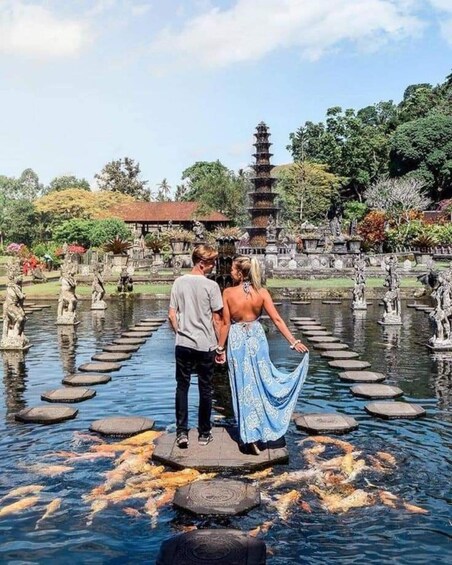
<point>14,381</point>
<point>359,328</point>
<point>391,339</point>
<point>98,321</point>
<point>443,379</point>
<point>67,341</point>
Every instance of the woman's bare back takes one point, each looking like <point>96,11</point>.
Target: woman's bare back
<point>244,307</point>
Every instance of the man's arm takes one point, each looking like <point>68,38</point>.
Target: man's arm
<point>217,323</point>
<point>172,317</point>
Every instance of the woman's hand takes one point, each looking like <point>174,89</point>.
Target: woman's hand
<point>220,358</point>
<point>301,348</point>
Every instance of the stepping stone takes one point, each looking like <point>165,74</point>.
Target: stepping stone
<point>136,334</point>
<point>217,497</point>
<point>46,414</point>
<point>306,322</point>
<point>122,426</point>
<point>330,346</point>
<point>422,308</point>
<point>321,423</point>
<point>222,453</point>
<point>376,391</point>
<point>324,339</point>
<point>413,305</point>
<point>118,348</point>
<point>217,546</point>
<point>300,302</point>
<point>150,325</point>
<point>312,328</point>
<point>349,364</point>
<point>392,410</point>
<point>314,333</point>
<point>361,377</point>
<point>86,380</point>
<point>99,367</point>
<point>277,303</point>
<point>340,354</point>
<point>68,395</point>
<point>331,301</point>
<point>137,329</point>
<point>158,320</point>
<point>111,356</point>
<point>129,341</point>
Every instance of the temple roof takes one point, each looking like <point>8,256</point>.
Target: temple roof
<point>163,212</point>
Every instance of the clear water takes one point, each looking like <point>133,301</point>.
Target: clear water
<point>145,386</point>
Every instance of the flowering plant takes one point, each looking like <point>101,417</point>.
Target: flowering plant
<point>73,248</point>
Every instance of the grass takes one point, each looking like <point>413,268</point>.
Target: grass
<point>53,289</point>
<point>334,283</point>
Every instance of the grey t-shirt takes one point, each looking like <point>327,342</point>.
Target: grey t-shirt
<point>195,298</point>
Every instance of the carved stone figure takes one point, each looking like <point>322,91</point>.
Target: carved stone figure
<point>359,298</point>
<point>391,300</point>
<point>199,230</point>
<point>271,229</point>
<point>98,290</point>
<point>14,318</point>
<point>67,302</point>
<point>125,282</point>
<point>440,318</point>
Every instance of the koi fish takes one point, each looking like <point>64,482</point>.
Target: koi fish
<point>387,458</point>
<point>415,509</point>
<point>132,512</point>
<point>334,502</point>
<point>22,491</point>
<point>284,503</point>
<point>18,506</point>
<point>387,498</point>
<point>344,445</point>
<point>51,508</point>
<point>50,470</point>
<point>262,529</point>
<point>258,475</point>
<point>291,477</point>
<point>142,439</point>
<point>96,507</point>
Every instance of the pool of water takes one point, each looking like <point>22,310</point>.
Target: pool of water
<point>145,386</point>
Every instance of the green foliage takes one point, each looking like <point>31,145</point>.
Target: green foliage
<point>423,148</point>
<point>65,182</point>
<point>20,223</point>
<point>157,241</point>
<point>306,191</point>
<point>215,187</point>
<point>355,210</point>
<point>90,233</point>
<point>164,191</point>
<point>122,175</point>
<point>26,187</point>
<point>117,246</point>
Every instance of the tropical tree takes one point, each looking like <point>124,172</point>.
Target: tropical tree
<point>123,175</point>
<point>66,181</point>
<point>28,185</point>
<point>20,223</point>
<point>164,192</point>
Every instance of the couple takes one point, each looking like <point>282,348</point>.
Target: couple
<point>263,397</point>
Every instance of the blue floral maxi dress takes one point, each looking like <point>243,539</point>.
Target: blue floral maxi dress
<point>263,397</point>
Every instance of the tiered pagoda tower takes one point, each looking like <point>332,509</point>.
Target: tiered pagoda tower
<point>262,199</point>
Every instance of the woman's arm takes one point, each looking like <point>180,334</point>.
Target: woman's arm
<point>279,322</point>
<point>224,330</point>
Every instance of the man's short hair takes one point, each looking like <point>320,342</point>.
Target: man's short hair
<point>204,252</point>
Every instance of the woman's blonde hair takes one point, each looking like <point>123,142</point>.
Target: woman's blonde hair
<point>250,270</point>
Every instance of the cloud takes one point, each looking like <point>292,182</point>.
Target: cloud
<point>445,23</point>
<point>32,30</point>
<point>251,29</point>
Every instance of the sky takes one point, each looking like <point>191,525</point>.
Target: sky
<point>172,82</point>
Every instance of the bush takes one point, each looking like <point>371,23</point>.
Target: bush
<point>74,231</point>
<point>102,231</point>
<point>372,229</point>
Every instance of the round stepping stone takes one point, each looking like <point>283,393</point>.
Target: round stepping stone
<point>68,395</point>
<point>129,341</point>
<point>340,354</point>
<point>43,305</point>
<point>331,301</point>
<point>122,426</point>
<point>277,303</point>
<point>302,319</point>
<point>142,329</point>
<point>330,346</point>
<point>422,308</point>
<point>111,356</point>
<point>312,328</point>
<point>212,546</point>
<point>306,322</point>
<point>326,423</point>
<point>154,325</point>
<point>300,302</point>
<point>314,333</point>
<point>361,377</point>
<point>99,367</point>
<point>86,380</point>
<point>46,414</point>
<point>136,334</point>
<point>216,497</point>
<point>376,391</point>
<point>323,339</point>
<point>115,348</point>
<point>349,364</point>
<point>392,410</point>
<point>158,320</point>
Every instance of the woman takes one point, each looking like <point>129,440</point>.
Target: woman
<point>263,397</point>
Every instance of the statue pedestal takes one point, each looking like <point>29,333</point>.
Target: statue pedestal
<point>14,342</point>
<point>67,319</point>
<point>359,305</point>
<point>391,320</point>
<point>440,345</point>
<point>99,305</point>
<point>271,254</point>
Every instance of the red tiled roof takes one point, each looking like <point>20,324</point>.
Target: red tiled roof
<point>163,212</point>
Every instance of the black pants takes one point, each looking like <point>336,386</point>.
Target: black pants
<point>189,361</point>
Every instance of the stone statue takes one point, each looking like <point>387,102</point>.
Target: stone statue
<point>65,249</point>
<point>334,216</point>
<point>271,229</point>
<point>359,298</point>
<point>440,318</point>
<point>98,290</point>
<point>67,301</point>
<point>391,300</point>
<point>199,230</point>
<point>125,282</point>
<point>14,318</point>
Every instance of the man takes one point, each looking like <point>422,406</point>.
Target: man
<point>195,315</point>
